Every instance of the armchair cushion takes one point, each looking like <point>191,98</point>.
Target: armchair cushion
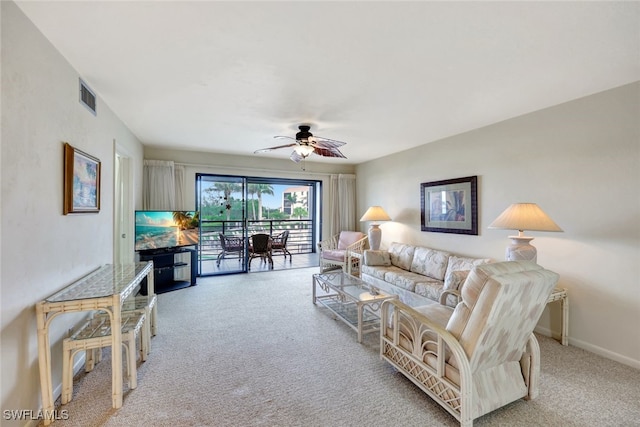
<point>348,238</point>
<point>334,254</point>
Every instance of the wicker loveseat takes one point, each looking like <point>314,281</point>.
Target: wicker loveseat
<point>405,269</point>
<point>481,355</point>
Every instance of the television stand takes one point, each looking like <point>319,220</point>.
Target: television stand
<point>173,269</point>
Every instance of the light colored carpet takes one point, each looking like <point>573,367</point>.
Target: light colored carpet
<point>252,350</point>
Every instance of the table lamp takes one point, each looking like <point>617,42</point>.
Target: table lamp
<point>523,216</point>
<point>376,214</point>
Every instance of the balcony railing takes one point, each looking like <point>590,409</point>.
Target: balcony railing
<point>300,234</point>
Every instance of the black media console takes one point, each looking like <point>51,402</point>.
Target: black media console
<point>173,269</point>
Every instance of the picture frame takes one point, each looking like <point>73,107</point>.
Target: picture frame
<point>81,181</point>
<point>450,206</point>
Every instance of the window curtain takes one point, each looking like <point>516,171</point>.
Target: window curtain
<point>179,174</point>
<point>159,185</point>
<point>342,203</point>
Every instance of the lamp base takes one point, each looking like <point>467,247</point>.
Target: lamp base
<point>375,236</point>
<point>521,249</point>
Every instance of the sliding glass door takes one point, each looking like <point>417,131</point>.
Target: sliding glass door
<point>233,208</point>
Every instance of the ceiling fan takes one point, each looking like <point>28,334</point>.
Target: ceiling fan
<point>305,144</point>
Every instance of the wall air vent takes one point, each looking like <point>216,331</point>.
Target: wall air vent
<point>87,97</point>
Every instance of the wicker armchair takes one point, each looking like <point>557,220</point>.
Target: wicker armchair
<point>343,250</point>
<point>481,355</point>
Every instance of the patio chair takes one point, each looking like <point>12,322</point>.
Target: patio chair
<point>279,244</point>
<point>260,247</point>
<point>230,245</point>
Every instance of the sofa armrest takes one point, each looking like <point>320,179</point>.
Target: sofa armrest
<point>446,293</point>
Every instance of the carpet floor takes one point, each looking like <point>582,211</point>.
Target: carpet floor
<point>252,350</point>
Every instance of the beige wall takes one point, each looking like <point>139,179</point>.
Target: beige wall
<point>42,249</point>
<point>580,161</point>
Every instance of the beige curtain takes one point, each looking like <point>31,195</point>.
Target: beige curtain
<point>342,203</point>
<point>162,184</point>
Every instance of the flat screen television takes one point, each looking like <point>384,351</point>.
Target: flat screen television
<point>163,230</point>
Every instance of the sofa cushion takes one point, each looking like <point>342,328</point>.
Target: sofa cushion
<point>401,255</point>
<point>430,262</point>
<point>348,238</point>
<point>377,271</point>
<point>429,288</point>
<point>372,257</point>
<point>457,263</point>
<point>455,279</point>
<point>403,279</point>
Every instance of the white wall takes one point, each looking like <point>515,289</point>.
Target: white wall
<point>580,161</point>
<point>42,249</point>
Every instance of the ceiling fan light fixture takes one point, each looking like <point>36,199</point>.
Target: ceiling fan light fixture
<point>303,150</point>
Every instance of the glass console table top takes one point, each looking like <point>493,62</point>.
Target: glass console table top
<point>106,281</point>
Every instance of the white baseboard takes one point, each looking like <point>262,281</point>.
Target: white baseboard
<point>591,348</point>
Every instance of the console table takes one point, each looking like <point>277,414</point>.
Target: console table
<point>560,294</point>
<point>103,289</point>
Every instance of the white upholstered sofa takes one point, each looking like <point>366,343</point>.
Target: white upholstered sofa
<point>408,269</point>
<point>480,355</point>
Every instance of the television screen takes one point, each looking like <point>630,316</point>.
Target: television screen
<point>165,229</point>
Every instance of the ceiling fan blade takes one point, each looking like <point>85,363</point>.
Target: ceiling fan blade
<point>281,136</point>
<point>329,145</point>
<point>328,152</point>
<point>264,150</point>
<point>327,141</point>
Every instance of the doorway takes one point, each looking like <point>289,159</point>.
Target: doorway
<point>232,208</point>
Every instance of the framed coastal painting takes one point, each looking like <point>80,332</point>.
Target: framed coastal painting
<point>450,206</point>
<point>81,181</point>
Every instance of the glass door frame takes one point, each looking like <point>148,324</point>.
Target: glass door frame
<point>304,225</point>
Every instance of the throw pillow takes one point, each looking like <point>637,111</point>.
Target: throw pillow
<point>430,262</point>
<point>372,257</point>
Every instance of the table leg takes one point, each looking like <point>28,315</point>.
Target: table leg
<point>44,361</point>
<point>360,310</point>
<point>116,354</point>
<point>565,320</point>
<point>314,284</point>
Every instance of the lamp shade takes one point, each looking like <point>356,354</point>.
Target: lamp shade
<point>375,213</point>
<point>524,216</point>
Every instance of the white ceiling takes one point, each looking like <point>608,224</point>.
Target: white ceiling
<point>381,76</point>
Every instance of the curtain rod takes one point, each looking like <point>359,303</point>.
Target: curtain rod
<point>199,165</point>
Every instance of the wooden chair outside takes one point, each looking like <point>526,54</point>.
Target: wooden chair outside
<point>230,245</point>
<point>279,244</point>
<point>260,247</point>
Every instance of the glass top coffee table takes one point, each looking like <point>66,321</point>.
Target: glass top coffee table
<point>353,301</point>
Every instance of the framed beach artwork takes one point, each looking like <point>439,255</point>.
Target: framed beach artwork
<point>81,181</point>
<point>450,206</point>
